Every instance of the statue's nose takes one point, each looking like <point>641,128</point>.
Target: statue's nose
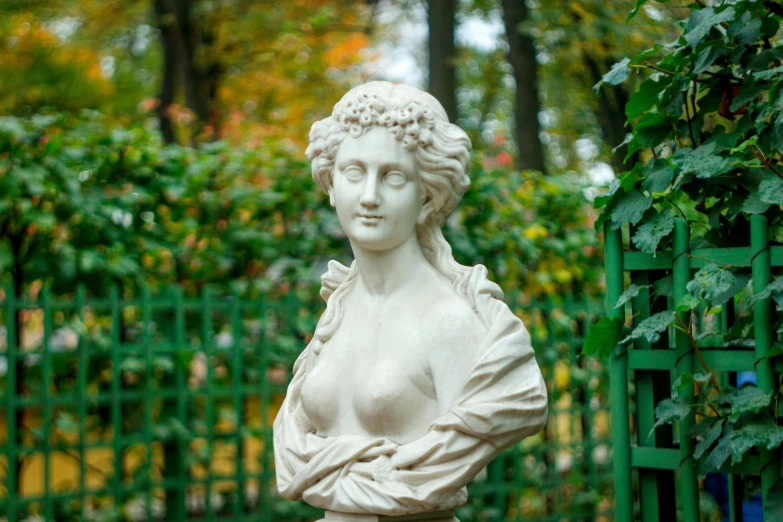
<point>370,196</point>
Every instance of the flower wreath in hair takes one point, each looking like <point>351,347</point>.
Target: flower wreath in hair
<point>411,122</point>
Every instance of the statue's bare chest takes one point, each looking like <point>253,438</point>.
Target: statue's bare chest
<point>372,378</point>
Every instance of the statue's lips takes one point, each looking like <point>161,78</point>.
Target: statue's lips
<point>369,219</point>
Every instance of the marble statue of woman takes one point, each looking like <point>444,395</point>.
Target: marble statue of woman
<point>418,374</point>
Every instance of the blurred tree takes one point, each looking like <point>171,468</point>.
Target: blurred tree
<point>522,55</point>
<point>442,54</point>
<point>240,70</point>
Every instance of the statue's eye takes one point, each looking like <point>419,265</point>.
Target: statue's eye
<point>395,178</point>
<point>353,173</point>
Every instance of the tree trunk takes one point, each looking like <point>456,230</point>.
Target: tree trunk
<point>165,23</point>
<point>522,55</point>
<point>188,62</point>
<point>442,81</point>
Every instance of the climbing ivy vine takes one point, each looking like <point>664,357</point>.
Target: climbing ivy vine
<point>707,117</point>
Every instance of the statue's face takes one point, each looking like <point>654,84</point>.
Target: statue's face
<point>377,191</point>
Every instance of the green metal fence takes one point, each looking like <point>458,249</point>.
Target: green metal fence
<point>159,406</point>
<point>663,468</point>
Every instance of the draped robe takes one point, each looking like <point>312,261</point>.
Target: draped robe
<point>502,401</point>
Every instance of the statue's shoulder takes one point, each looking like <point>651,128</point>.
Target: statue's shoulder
<point>451,316</point>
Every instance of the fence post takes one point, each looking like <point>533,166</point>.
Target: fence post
<point>13,440</point>
<point>207,347</point>
<point>237,352</point>
<point>681,274</point>
<point>116,391</point>
<point>46,388</point>
<point>618,381</point>
<point>174,409</point>
<point>82,394</point>
<point>762,332</point>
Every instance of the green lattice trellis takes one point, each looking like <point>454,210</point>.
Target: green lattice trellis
<point>667,474</point>
<point>130,390</point>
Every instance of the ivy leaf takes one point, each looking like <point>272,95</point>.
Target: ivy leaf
<point>774,352</point>
<point>66,423</point>
<point>750,91</point>
<point>711,282</point>
<point>652,129</point>
<point>701,21</point>
<point>755,434</point>
<point>602,337</point>
<point>664,286</point>
<point>651,327</point>
<point>616,75</point>
<point>659,177</point>
<point>753,204</point>
<point>708,57</point>
<point>645,98</point>
<point>749,398</point>
<point>631,292</point>
<point>771,191</point>
<point>768,74</point>
<point>702,160</point>
<point>668,410</point>
<point>650,234</point>
<point>687,302</point>
<point>708,440</point>
<point>773,290</point>
<point>720,454</point>
<point>639,4</point>
<point>630,209</point>
<point>741,282</point>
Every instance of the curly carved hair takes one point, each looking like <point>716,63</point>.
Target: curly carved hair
<point>442,153</point>
<point>441,149</point>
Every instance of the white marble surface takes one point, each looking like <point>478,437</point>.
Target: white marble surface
<point>418,374</point>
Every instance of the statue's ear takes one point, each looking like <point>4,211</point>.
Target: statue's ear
<point>426,208</point>
<point>330,191</point>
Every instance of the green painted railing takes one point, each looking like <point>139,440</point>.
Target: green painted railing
<point>668,486</point>
<point>159,407</point>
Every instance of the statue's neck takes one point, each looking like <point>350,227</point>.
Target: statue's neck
<point>385,273</point>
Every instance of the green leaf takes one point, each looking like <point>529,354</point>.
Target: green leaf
<point>711,282</point>
<point>773,352</point>
<point>749,398</point>
<point>754,205</point>
<point>650,234</point>
<point>639,4</point>
<point>771,191</point>
<point>630,209</point>
<point>602,337</point>
<point>701,21</point>
<point>720,454</point>
<point>750,91</point>
<point>773,290</point>
<point>687,302</point>
<point>651,327</point>
<point>652,129</point>
<point>669,410</point>
<point>741,282</point>
<point>616,75</point>
<point>703,160</point>
<point>658,178</point>
<point>708,440</point>
<point>66,422</point>
<point>768,74</point>
<point>707,58</point>
<point>631,292</point>
<point>645,98</point>
<point>756,434</point>
<point>664,286</point>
